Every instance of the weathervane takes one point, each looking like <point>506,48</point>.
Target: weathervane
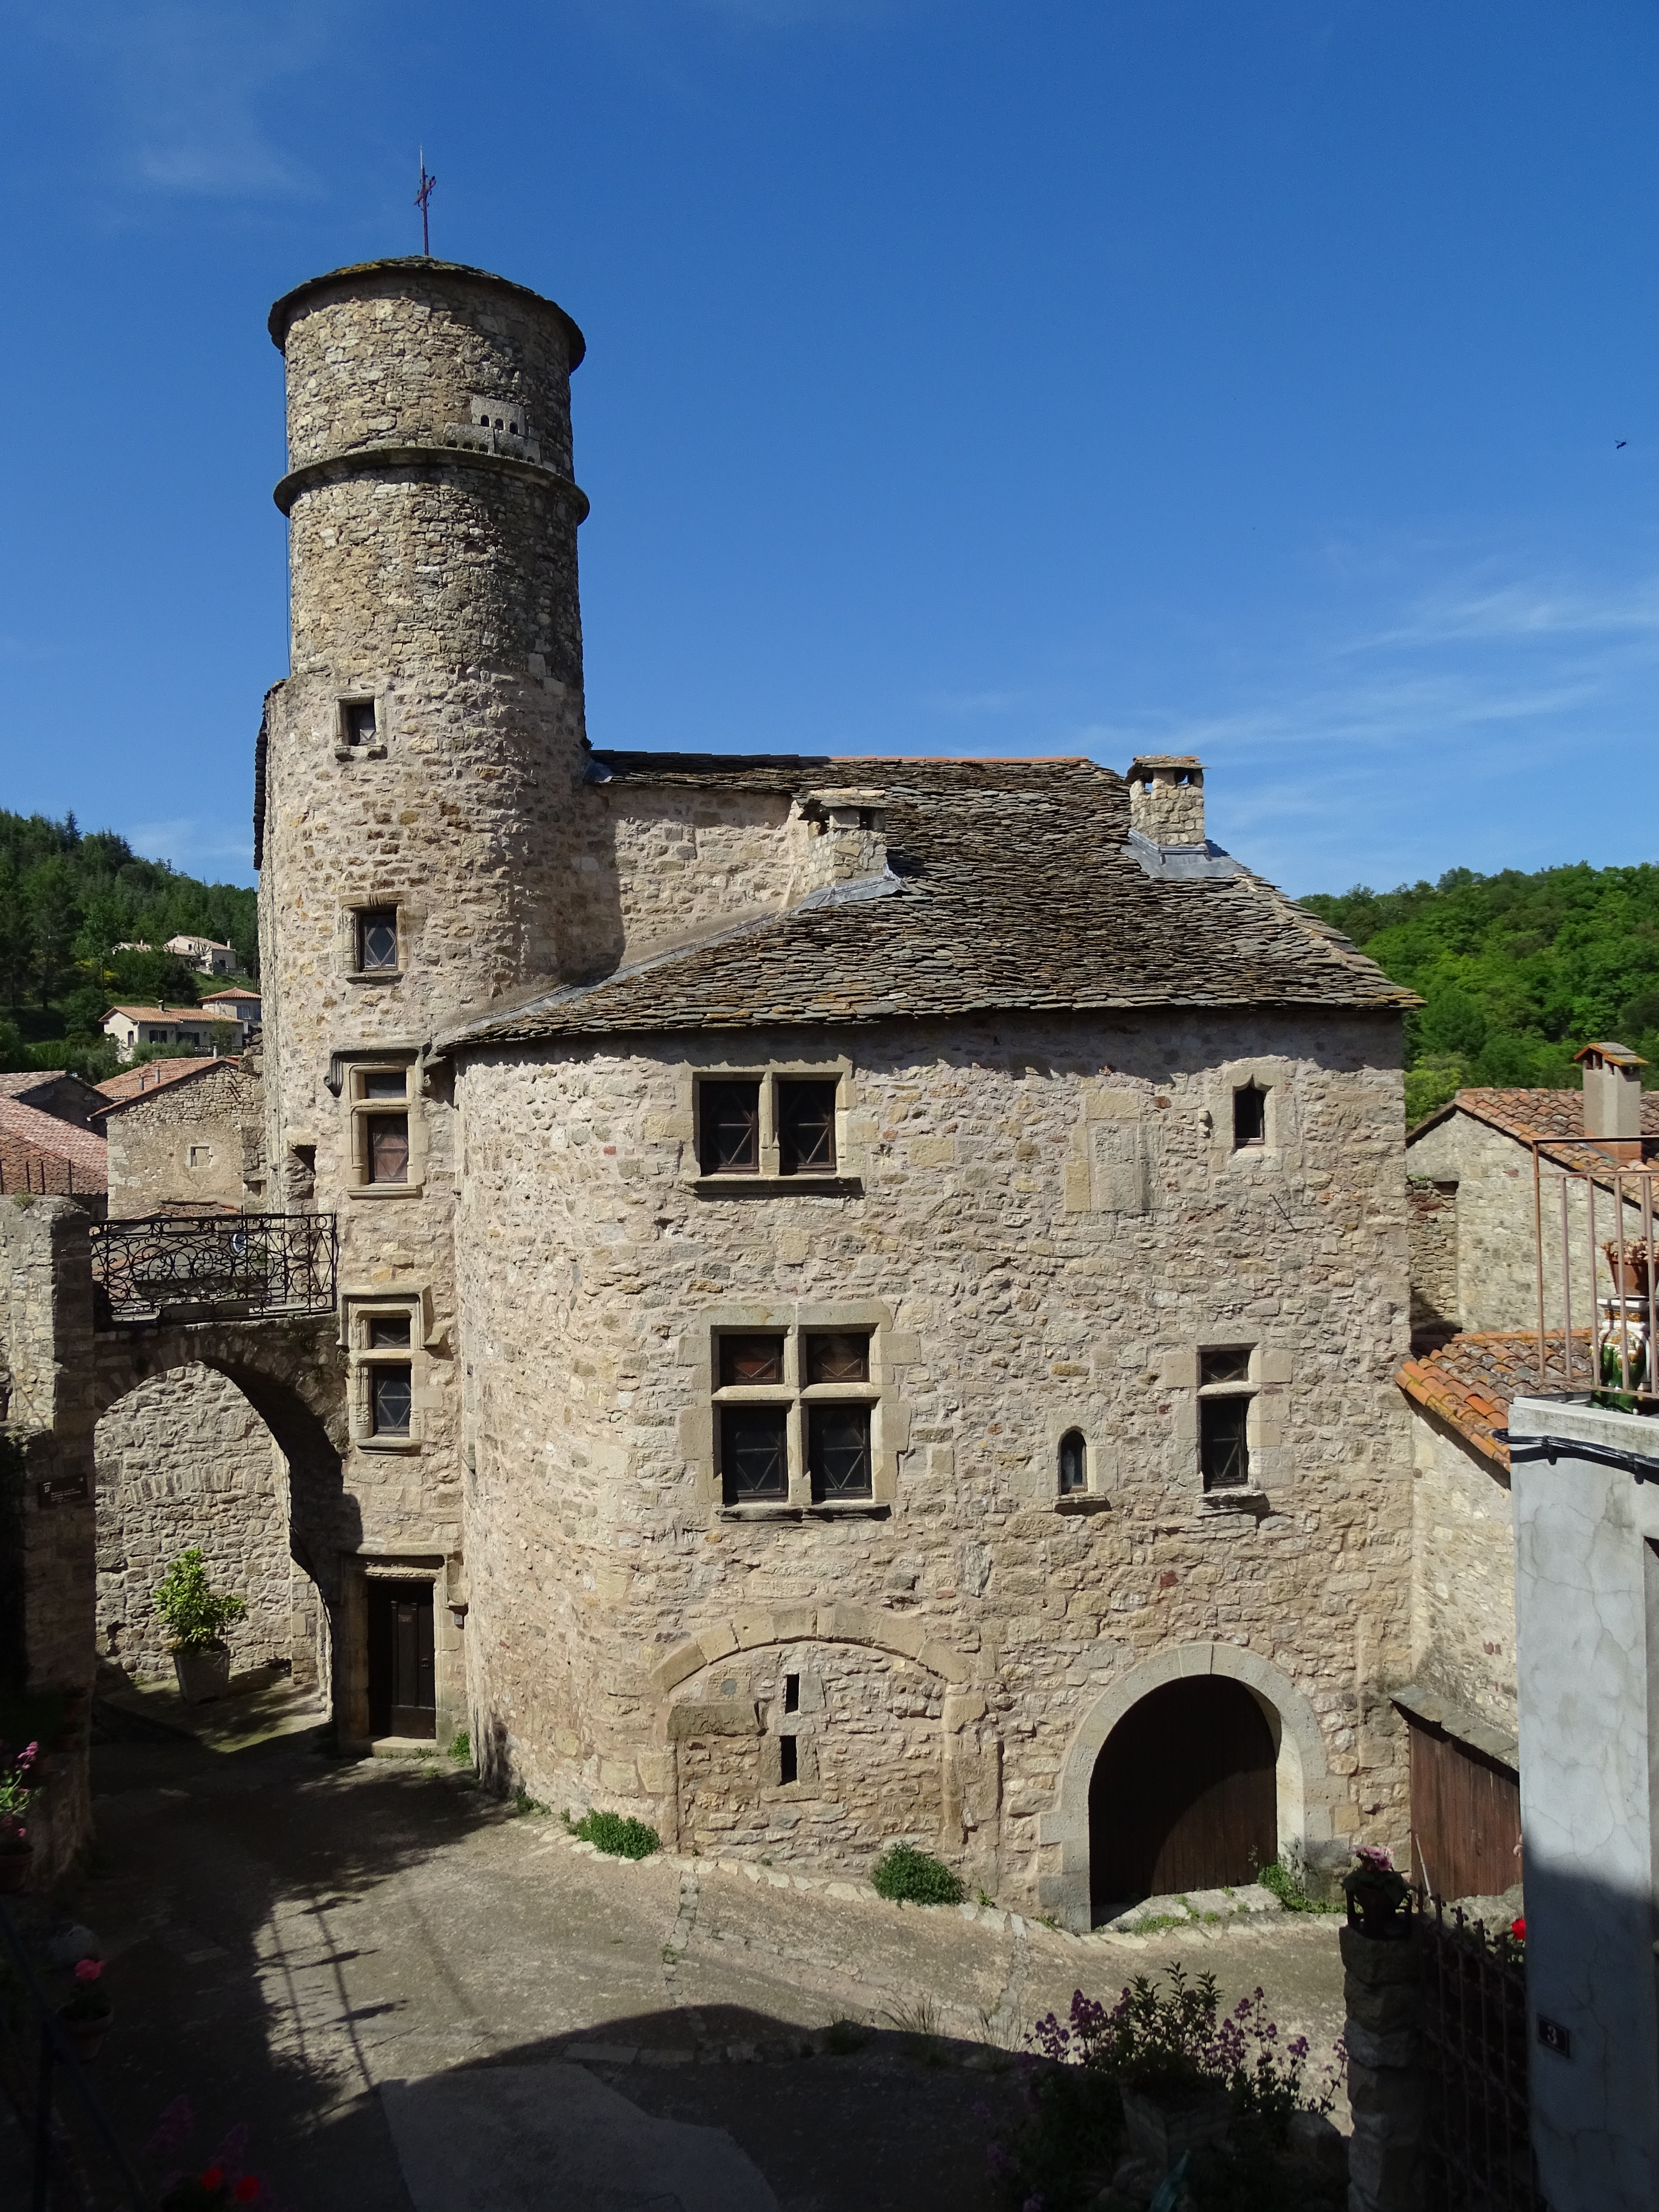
<point>421,199</point>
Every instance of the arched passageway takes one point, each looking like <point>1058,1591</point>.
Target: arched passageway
<point>1183,1794</point>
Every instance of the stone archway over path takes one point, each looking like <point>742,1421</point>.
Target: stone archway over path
<point>1306,1789</point>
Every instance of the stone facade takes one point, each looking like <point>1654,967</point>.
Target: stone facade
<point>1462,1575</point>
<point>183,1459</point>
<point>197,1146</point>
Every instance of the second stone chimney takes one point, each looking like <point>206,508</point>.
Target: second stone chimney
<point>845,839</point>
<point>1613,1099</point>
<point>1166,799</point>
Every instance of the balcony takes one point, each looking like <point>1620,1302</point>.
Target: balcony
<point>216,1267</point>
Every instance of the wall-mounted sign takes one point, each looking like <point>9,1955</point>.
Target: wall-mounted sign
<point>1554,2037</point>
<point>62,1489</point>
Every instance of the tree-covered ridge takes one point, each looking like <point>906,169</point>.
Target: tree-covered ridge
<point>66,901</point>
<point>1518,971</point>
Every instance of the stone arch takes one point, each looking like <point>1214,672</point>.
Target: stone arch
<point>1306,1789</point>
<point>829,1622</point>
<point>291,1374</point>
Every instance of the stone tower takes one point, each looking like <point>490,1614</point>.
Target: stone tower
<point>419,771</point>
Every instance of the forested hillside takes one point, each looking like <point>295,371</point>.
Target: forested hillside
<point>1518,971</point>
<point>66,901</point>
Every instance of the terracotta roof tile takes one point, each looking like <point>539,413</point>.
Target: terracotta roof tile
<point>151,1076</point>
<point>1470,1382</point>
<point>29,1135</point>
<point>1015,888</point>
<point>1551,1119</point>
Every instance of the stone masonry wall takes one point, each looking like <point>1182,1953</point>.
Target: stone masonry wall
<point>156,1140</point>
<point>1433,1216</point>
<point>183,1459</point>
<point>1462,1575</point>
<point>1052,1223</point>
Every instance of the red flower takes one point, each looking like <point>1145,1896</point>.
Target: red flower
<point>87,1970</point>
<point>1518,1930</point>
<point>247,2189</point>
<point>213,2178</point>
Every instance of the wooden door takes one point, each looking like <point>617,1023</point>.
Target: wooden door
<point>1183,1794</point>
<point>402,1676</point>
<point>1466,1817</point>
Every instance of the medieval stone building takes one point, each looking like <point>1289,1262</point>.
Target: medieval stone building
<point>869,1288</point>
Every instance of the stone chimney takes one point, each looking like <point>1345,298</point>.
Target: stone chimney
<point>846,832</point>
<point>1613,1100</point>
<point>1166,799</point>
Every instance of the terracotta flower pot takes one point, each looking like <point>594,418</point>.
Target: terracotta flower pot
<point>87,2033</point>
<point>202,1675</point>
<point>1164,2121</point>
<point>15,1869</point>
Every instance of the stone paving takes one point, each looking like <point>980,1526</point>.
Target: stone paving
<point>413,1996</point>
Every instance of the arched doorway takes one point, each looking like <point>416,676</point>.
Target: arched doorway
<point>1183,1794</point>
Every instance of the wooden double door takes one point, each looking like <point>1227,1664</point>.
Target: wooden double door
<point>1183,1794</point>
<point>402,1670</point>
<point>1466,1817</point>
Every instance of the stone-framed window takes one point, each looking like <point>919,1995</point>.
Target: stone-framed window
<point>1252,1113</point>
<point>1227,1386</point>
<point>385,1152</point>
<point>360,729</point>
<point>371,941</point>
<point>800,1413</point>
<point>1072,1458</point>
<point>386,1334</point>
<point>1249,1115</point>
<point>770,1123</point>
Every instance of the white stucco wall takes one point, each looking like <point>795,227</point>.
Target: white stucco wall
<point>1587,1622</point>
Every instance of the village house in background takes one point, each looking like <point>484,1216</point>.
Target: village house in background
<point>204,954</point>
<point>132,1026</point>
<point>191,1142</point>
<point>234,1003</point>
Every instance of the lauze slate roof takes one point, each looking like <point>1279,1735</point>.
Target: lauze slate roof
<point>1016,889</point>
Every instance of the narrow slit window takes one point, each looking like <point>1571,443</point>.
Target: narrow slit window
<point>729,1135</point>
<point>788,1759</point>
<point>792,1693</point>
<point>1073,1463</point>
<point>386,1138</point>
<point>377,941</point>
<point>392,1398</point>
<point>838,1359</point>
<point>754,1453</point>
<point>1250,1116</point>
<point>806,1128</point>
<point>1223,1442</point>
<point>838,1452</point>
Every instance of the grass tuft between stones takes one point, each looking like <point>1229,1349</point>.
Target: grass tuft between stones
<point>906,1876</point>
<point>615,1833</point>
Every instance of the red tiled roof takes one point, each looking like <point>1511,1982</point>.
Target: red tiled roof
<point>152,1076</point>
<point>28,1137</point>
<point>1470,1382</point>
<point>1552,1118</point>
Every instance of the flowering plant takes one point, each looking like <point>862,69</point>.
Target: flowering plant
<point>223,2181</point>
<point>90,1999</point>
<point>1375,1876</point>
<point>17,1786</point>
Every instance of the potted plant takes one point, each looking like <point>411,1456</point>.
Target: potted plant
<point>1375,1889</point>
<point>196,1614</point>
<point>87,2014</point>
<point>1162,2049</point>
<point>16,1787</point>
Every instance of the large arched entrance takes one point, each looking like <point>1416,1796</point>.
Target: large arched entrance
<point>1184,1793</point>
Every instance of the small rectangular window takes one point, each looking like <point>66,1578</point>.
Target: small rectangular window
<point>386,1144</point>
<point>201,1155</point>
<point>1223,1447</point>
<point>750,1359</point>
<point>754,1453</point>
<point>838,1359</point>
<point>383,1083</point>
<point>1227,1363</point>
<point>792,1693</point>
<point>838,1452</point>
<point>788,1759</point>
<point>386,1331</point>
<point>806,1127</point>
<point>390,1398</point>
<point>377,941</point>
<point>1250,1116</point>
<point>729,1128</point>
<point>1073,1463</point>
<point>360,724</point>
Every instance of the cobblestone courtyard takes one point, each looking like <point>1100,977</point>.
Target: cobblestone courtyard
<point>414,1996</point>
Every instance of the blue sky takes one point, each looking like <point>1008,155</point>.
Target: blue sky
<point>976,376</point>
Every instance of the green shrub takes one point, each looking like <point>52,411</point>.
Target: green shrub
<point>190,1607</point>
<point>460,1749</point>
<point>1284,1883</point>
<point>615,1833</point>
<point>906,1876</point>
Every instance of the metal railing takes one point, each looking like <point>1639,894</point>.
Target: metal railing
<point>1598,1279</point>
<point>1478,2138</point>
<point>216,1265</point>
<point>75,2156</point>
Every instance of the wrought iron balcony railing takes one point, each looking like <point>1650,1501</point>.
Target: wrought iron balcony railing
<point>1597,1238</point>
<point>214,1266</point>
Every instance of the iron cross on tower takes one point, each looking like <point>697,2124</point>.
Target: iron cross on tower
<point>421,200</point>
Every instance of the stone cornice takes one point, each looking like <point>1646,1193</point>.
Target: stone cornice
<point>361,460</point>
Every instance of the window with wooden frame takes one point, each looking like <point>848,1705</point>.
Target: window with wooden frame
<point>384,1348</point>
<point>361,725</point>
<point>383,1153</point>
<point>794,1415</point>
<point>375,941</point>
<point>767,1125</point>
<point>1227,1392</point>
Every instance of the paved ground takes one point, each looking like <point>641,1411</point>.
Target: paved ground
<point>417,2002</point>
